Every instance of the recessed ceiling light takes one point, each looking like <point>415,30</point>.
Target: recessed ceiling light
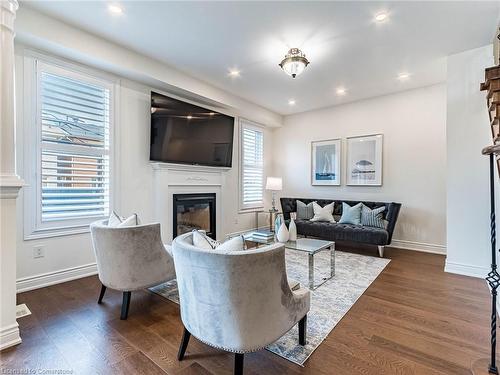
<point>189,117</point>
<point>341,91</point>
<point>234,73</point>
<point>291,102</point>
<point>115,9</point>
<point>211,114</point>
<point>403,76</point>
<point>381,17</point>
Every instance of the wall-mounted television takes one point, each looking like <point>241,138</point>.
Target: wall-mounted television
<point>187,134</point>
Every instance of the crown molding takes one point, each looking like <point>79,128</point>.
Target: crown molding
<point>8,10</point>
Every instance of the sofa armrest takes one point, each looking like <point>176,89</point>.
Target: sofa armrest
<point>392,216</point>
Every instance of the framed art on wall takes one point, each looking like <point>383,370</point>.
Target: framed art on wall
<point>325,162</point>
<point>364,160</point>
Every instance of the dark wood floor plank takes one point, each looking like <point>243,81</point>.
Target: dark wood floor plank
<point>414,319</point>
<point>138,364</point>
<point>194,369</point>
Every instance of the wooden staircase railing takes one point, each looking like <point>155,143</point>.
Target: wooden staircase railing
<point>492,86</point>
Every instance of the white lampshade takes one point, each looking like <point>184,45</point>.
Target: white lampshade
<point>274,183</point>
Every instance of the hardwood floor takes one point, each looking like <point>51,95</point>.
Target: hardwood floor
<point>414,319</point>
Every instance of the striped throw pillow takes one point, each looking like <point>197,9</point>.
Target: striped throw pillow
<point>304,211</point>
<point>372,218</point>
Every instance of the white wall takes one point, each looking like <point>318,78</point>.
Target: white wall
<point>467,132</point>
<point>414,158</point>
<point>68,257</point>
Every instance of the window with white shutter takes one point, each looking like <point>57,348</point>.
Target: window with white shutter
<point>72,119</point>
<point>251,166</point>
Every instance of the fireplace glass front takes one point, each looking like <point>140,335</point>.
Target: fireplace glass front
<point>194,211</point>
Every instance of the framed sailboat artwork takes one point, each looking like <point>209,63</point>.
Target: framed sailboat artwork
<point>325,162</point>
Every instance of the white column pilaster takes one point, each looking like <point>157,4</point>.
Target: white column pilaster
<point>10,183</point>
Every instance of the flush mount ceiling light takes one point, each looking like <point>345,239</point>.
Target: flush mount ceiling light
<point>291,102</point>
<point>403,76</point>
<point>294,62</point>
<point>381,17</point>
<point>341,91</point>
<point>115,9</point>
<point>234,73</point>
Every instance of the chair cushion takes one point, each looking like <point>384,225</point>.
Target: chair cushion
<point>233,244</point>
<point>202,241</point>
<point>114,219</point>
<point>130,221</point>
<point>343,232</point>
<point>117,221</point>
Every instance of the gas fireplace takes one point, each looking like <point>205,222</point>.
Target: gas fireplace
<point>194,211</point>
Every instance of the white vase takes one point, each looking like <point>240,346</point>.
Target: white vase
<point>292,230</point>
<point>283,234</point>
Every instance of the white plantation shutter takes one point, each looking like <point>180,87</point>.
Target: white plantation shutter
<point>74,116</point>
<point>252,166</point>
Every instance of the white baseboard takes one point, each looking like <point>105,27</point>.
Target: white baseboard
<point>466,269</point>
<point>419,246</point>
<point>9,336</point>
<point>56,277</point>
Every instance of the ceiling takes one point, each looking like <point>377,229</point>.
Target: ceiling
<point>346,46</point>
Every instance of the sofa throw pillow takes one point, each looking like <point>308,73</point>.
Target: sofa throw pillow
<point>323,213</point>
<point>372,218</point>
<point>304,211</point>
<point>351,215</point>
<point>202,241</point>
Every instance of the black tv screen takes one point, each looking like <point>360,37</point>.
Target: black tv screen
<point>187,134</point>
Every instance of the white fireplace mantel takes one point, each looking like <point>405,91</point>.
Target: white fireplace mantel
<point>170,179</point>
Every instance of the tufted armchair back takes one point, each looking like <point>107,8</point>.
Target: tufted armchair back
<point>238,301</point>
<point>131,258</point>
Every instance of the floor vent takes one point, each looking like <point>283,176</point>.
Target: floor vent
<point>22,310</point>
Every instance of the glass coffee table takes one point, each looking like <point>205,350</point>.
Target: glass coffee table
<point>310,246</point>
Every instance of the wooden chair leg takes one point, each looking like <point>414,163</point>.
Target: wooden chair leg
<point>302,330</point>
<point>238,364</point>
<point>101,295</point>
<point>184,344</point>
<point>125,305</point>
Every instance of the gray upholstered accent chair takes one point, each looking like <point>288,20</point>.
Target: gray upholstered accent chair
<point>236,301</point>
<point>130,258</point>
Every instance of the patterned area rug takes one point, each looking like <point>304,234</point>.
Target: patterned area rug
<point>329,303</point>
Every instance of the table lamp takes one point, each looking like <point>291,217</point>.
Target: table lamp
<point>274,184</point>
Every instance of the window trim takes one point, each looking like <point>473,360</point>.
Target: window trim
<point>34,63</point>
<point>246,124</point>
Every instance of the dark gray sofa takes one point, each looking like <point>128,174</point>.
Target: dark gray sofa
<point>345,232</point>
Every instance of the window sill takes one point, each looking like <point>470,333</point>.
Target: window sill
<point>50,233</point>
<point>251,210</point>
